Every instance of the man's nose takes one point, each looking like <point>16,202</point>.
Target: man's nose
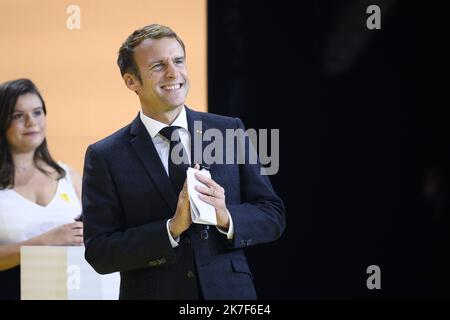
<point>172,71</point>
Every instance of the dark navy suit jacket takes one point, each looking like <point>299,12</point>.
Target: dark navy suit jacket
<point>127,199</point>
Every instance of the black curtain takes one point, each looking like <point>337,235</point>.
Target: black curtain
<point>364,150</point>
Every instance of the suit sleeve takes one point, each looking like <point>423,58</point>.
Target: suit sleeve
<point>111,246</point>
<point>260,217</point>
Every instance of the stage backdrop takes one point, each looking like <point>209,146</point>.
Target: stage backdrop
<point>69,49</point>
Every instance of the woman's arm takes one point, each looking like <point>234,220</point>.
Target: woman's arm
<point>67,234</point>
<point>9,256</point>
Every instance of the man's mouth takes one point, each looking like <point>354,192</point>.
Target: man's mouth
<point>172,87</point>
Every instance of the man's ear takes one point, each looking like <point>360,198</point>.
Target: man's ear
<point>131,82</point>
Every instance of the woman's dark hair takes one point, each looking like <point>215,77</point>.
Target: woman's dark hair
<point>9,93</point>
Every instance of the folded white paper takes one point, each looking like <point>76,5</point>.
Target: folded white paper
<point>201,212</point>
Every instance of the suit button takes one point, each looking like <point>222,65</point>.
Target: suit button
<point>190,274</point>
<point>204,234</point>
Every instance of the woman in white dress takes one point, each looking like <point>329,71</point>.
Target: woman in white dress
<point>39,198</point>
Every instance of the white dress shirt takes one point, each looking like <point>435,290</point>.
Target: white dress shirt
<point>162,146</point>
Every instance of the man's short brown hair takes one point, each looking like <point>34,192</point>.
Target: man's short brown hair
<point>153,31</point>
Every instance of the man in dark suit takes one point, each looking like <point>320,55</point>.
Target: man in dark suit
<point>136,219</point>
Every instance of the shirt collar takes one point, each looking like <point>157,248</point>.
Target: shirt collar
<point>153,126</point>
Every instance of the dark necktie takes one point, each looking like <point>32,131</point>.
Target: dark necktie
<point>177,172</point>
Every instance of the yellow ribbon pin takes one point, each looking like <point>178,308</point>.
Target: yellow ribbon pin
<point>65,197</point>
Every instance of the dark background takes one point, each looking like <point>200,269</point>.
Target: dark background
<point>364,157</point>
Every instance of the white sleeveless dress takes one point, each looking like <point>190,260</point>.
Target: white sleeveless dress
<point>22,219</point>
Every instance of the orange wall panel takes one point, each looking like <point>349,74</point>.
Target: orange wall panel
<point>76,69</point>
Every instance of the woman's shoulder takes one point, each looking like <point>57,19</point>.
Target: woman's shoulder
<point>72,176</point>
<point>67,168</point>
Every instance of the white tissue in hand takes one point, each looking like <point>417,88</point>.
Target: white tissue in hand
<point>201,212</point>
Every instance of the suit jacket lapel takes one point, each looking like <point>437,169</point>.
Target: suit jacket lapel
<point>145,149</point>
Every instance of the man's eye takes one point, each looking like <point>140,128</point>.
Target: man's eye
<point>179,61</point>
<point>157,66</point>
<point>17,116</point>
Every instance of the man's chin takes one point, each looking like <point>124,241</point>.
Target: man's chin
<point>174,107</point>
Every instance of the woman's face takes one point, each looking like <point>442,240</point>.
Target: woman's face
<point>28,124</point>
